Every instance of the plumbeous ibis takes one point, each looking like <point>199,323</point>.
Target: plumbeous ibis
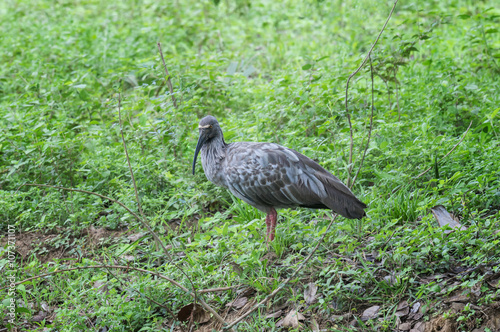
<point>269,176</point>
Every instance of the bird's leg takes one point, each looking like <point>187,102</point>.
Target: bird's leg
<point>273,217</point>
<point>268,225</point>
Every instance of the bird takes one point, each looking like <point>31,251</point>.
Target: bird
<point>269,176</point>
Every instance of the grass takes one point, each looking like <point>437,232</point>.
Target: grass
<point>269,71</point>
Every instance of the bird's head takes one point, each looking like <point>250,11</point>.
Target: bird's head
<point>209,128</point>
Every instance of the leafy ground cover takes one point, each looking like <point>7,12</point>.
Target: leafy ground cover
<point>269,71</point>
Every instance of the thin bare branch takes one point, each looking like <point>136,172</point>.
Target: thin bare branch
<point>369,131</point>
<point>139,202</point>
<point>347,92</point>
<point>128,161</point>
<point>166,307</point>
<point>284,283</point>
<point>219,289</point>
<point>102,266</point>
<point>155,273</point>
<point>397,95</point>
<point>169,82</point>
<point>143,220</point>
<point>85,192</point>
<point>144,223</point>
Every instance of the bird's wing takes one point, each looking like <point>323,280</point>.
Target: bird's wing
<point>266,174</point>
<point>339,197</point>
<point>269,175</point>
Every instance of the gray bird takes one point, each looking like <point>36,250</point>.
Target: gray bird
<point>269,176</point>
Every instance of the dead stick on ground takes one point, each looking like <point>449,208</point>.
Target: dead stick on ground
<point>347,90</point>
<point>169,82</point>
<point>130,166</point>
<point>144,222</point>
<point>139,202</point>
<point>103,197</point>
<point>219,289</point>
<point>166,307</point>
<point>284,283</point>
<point>369,131</point>
<point>203,303</point>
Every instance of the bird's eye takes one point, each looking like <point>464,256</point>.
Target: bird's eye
<point>210,126</point>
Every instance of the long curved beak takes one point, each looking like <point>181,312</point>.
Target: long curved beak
<point>201,141</point>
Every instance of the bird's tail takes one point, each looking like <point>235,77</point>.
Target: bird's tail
<point>342,201</point>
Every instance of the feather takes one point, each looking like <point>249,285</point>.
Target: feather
<point>269,176</point>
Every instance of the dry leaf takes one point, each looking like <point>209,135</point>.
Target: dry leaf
<point>40,317</point>
<point>101,286</point>
<point>314,325</point>
<point>403,312</point>
<point>419,327</point>
<point>135,237</point>
<point>238,303</point>
<point>457,306</point>
<point>405,327</point>
<point>310,292</point>
<point>245,292</point>
<point>403,309</point>
<point>444,218</point>
<point>200,316</point>
<point>457,298</point>
<point>416,316</point>
<point>390,280</point>
<point>236,268</point>
<point>370,313</point>
<point>495,283</point>
<point>402,305</point>
<point>128,258</point>
<point>275,314</point>
<point>344,317</point>
<point>292,319</point>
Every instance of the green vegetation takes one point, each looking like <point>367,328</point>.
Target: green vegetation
<point>269,71</point>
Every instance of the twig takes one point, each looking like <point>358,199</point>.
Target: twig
<point>157,239</point>
<point>284,283</point>
<point>155,236</point>
<point>220,289</point>
<point>388,93</point>
<point>369,131</point>
<point>128,160</point>
<point>139,202</point>
<point>480,266</point>
<point>148,297</point>
<point>103,197</point>
<point>169,82</point>
<point>202,302</point>
<point>347,90</point>
<point>123,267</point>
<point>397,95</point>
<point>159,90</point>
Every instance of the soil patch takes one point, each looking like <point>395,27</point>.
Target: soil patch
<point>58,244</point>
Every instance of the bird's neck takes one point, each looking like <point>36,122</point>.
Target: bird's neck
<point>214,149</point>
<point>213,153</point>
